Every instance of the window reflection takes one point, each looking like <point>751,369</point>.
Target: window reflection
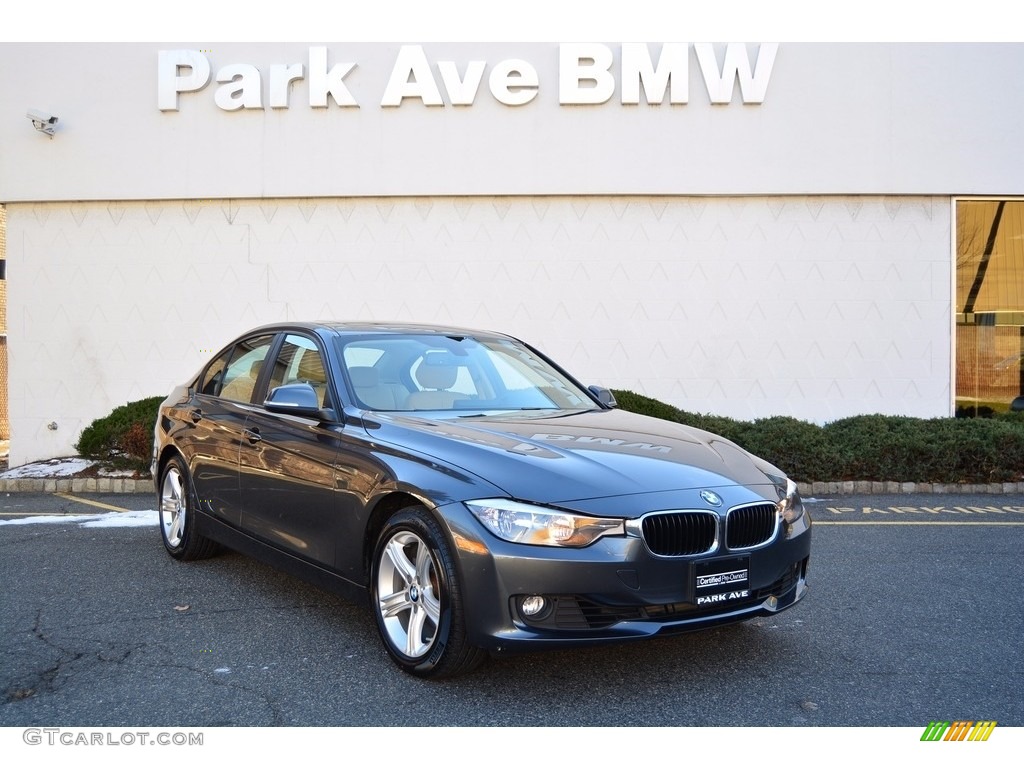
<point>989,306</point>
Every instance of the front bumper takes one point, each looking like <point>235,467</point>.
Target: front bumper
<point>615,589</point>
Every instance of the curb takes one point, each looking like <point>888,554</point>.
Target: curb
<point>807,490</point>
<point>77,485</point>
<point>864,487</point>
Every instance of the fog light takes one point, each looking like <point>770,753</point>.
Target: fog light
<point>533,605</point>
<point>772,603</point>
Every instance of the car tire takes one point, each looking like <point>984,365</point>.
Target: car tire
<point>177,521</point>
<point>416,598</point>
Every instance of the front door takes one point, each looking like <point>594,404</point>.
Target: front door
<point>287,464</point>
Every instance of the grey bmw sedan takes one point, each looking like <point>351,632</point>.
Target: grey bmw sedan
<point>473,493</point>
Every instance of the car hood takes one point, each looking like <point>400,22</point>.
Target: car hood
<point>578,456</point>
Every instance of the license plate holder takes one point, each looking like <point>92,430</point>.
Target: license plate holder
<point>726,576</point>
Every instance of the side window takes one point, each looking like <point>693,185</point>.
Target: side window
<point>214,376</point>
<point>299,361</point>
<point>244,369</point>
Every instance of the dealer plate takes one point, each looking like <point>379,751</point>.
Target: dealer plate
<point>714,577</point>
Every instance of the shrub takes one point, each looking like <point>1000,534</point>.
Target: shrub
<point>871,447</point>
<point>800,449</point>
<point>124,438</point>
<point>875,447</point>
<point>730,429</point>
<point>631,401</point>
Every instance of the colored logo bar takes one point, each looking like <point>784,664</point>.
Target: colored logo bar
<point>960,730</point>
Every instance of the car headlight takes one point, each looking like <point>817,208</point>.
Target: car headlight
<point>791,507</point>
<point>527,524</point>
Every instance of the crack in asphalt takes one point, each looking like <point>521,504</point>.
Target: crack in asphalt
<point>50,679</point>
<point>274,707</point>
<point>44,681</point>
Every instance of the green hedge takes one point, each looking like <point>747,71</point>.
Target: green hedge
<point>982,450</point>
<point>875,447</point>
<point>124,438</point>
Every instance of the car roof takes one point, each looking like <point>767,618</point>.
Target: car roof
<point>368,327</point>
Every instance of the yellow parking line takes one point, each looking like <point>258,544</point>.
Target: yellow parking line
<point>908,522</point>
<point>99,504</point>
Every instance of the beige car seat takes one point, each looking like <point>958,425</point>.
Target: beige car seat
<point>240,388</point>
<point>374,393</point>
<point>436,375</point>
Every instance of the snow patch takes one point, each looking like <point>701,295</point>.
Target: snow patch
<point>65,467</point>
<point>105,520</point>
<point>125,519</point>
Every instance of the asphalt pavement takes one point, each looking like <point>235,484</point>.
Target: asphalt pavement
<point>916,613</point>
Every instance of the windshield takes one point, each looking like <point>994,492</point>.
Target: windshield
<point>425,372</point>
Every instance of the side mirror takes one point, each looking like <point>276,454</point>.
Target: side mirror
<point>604,396</point>
<point>294,400</point>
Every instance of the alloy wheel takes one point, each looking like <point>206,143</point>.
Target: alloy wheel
<point>173,507</point>
<point>408,596</point>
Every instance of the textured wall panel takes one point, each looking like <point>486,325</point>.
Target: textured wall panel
<point>815,307</point>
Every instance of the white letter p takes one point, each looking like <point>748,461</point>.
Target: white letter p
<point>170,83</point>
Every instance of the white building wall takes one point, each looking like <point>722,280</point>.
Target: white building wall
<point>864,118</point>
<point>812,306</point>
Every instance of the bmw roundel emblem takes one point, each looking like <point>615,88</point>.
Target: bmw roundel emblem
<point>711,498</point>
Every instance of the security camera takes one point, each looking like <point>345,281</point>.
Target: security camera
<point>42,121</point>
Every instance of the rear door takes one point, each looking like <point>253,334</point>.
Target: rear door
<point>217,413</point>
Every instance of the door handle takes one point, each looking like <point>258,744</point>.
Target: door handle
<point>253,435</point>
<point>196,416</point>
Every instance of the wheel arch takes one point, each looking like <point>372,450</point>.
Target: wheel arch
<point>450,650</point>
<point>383,509</point>
<point>166,454</point>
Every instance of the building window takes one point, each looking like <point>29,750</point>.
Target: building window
<point>989,306</point>
<point>5,422</point>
